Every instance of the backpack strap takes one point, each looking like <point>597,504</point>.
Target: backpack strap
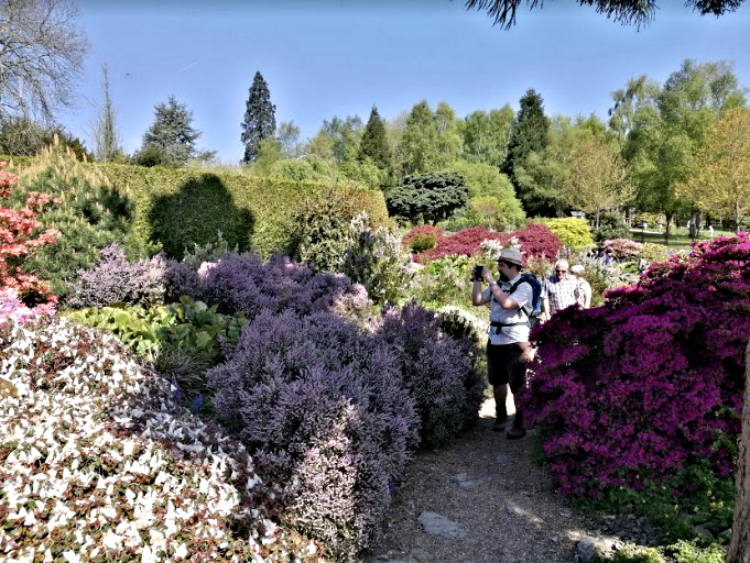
<point>514,287</point>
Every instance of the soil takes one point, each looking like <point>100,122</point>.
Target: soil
<point>490,487</point>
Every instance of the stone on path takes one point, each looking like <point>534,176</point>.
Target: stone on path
<point>437,525</point>
<point>590,550</point>
<point>465,482</point>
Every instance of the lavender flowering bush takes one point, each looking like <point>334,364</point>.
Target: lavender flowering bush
<point>243,283</point>
<point>115,280</point>
<point>631,392</point>
<point>319,405</point>
<point>99,463</point>
<point>437,370</point>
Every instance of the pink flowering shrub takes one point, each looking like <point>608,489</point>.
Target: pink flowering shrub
<point>13,309</point>
<point>535,240</point>
<point>630,392</point>
<point>622,248</point>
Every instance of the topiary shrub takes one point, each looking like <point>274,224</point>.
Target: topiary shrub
<point>437,370</point>
<point>115,280</point>
<point>320,406</point>
<point>573,232</point>
<point>629,393</point>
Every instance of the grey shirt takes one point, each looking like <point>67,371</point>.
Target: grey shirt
<point>516,333</point>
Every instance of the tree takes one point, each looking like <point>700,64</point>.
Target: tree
<point>431,141</point>
<point>638,12</point>
<point>485,135</point>
<point>22,136</point>
<point>106,139</point>
<point>529,134</point>
<point>597,176</point>
<point>374,143</point>
<point>41,55</point>
<point>173,132</point>
<point>722,185</point>
<point>431,197</point>
<point>260,118</point>
<point>287,136</point>
<point>739,545</point>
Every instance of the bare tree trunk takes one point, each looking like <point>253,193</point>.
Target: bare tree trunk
<point>739,546</point>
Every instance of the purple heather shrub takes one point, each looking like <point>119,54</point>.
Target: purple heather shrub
<point>182,279</point>
<point>243,283</point>
<point>319,404</point>
<point>652,381</point>
<point>13,309</point>
<point>438,370</point>
<point>115,280</point>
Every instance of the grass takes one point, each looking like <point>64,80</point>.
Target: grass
<point>678,238</point>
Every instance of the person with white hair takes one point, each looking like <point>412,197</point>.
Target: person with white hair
<point>559,291</point>
<point>583,291</point>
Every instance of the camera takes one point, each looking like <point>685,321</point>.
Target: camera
<point>477,273</point>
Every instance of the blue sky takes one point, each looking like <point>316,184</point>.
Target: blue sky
<point>339,57</point>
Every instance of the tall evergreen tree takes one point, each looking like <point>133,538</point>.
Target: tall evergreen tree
<point>374,143</point>
<point>260,118</point>
<point>172,132</point>
<point>106,139</point>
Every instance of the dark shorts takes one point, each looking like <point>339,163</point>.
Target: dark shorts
<point>504,365</point>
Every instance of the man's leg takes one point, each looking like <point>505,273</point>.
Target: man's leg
<point>498,378</point>
<point>517,379</point>
<point>501,413</point>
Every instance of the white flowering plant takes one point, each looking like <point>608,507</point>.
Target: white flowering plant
<point>99,463</point>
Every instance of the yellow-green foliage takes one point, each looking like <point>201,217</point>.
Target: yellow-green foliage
<point>574,233</point>
<point>181,207</point>
<point>15,162</point>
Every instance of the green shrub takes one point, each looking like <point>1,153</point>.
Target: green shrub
<point>637,554</point>
<point>690,552</point>
<point>654,252</point>
<point>178,208</point>
<point>209,252</point>
<point>611,226</point>
<point>423,241</point>
<point>89,213</point>
<point>574,233</point>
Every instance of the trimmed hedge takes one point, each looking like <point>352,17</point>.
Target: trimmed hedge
<point>181,207</point>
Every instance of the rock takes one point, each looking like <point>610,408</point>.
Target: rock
<point>437,525</point>
<point>591,550</point>
<point>702,531</point>
<point>516,510</point>
<point>465,482</point>
<point>421,555</point>
<point>726,534</point>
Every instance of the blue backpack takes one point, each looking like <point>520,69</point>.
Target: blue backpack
<point>536,297</point>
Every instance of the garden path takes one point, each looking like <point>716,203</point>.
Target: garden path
<point>502,504</point>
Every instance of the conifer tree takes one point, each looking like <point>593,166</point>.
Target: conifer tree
<point>374,144</point>
<point>260,119</point>
<point>529,132</point>
<point>172,132</point>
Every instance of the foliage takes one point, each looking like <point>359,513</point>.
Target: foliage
<point>637,554</point>
<point>89,213</point>
<point>13,309</point>
<point>374,143</point>
<point>173,132</point>
<point>374,258</point>
<point>178,208</point>
<point>260,118</point>
<point>318,402</point>
<point>486,135</point>
<point>106,138</point>
<point>444,280</point>
<point>429,197</point>
<point>466,242</point>
<point>611,226</point>
<point>423,241</point>
<point>115,280</point>
<point>572,232</point>
<point>42,55</point>
<point>721,186</point>
<point>20,236</point>
<point>21,136</point>
<point>243,283</point>
<point>653,252</point>
<point>431,140</point>
<point>621,249</point>
<point>652,382</point>
<point>322,233</point>
<point>210,252</point>
<point>688,552</point>
<point>437,370</point>
<point>537,241</point>
<point>129,449</point>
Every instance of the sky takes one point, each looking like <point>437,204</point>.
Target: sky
<point>326,58</point>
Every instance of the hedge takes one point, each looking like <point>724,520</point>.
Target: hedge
<point>180,207</point>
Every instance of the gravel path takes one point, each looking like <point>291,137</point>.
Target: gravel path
<point>501,505</point>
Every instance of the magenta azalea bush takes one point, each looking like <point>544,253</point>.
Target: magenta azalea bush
<point>320,406</point>
<point>630,392</point>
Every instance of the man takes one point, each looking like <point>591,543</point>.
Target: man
<point>507,348</point>
<point>559,290</point>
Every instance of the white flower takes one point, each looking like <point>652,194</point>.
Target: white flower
<point>71,557</point>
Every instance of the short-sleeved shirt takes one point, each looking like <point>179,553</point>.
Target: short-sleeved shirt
<point>560,293</point>
<point>517,332</point>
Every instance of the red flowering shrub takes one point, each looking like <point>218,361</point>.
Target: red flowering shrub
<point>19,234</point>
<point>630,392</point>
<point>534,239</point>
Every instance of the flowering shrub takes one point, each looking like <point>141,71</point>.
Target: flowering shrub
<point>621,248</point>
<point>437,370</point>
<point>536,240</point>
<point>320,406</point>
<point>243,283</point>
<point>19,234</point>
<point>653,381</point>
<point>115,280</point>
<point>12,308</point>
<point>375,260</point>
<point>98,462</point>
